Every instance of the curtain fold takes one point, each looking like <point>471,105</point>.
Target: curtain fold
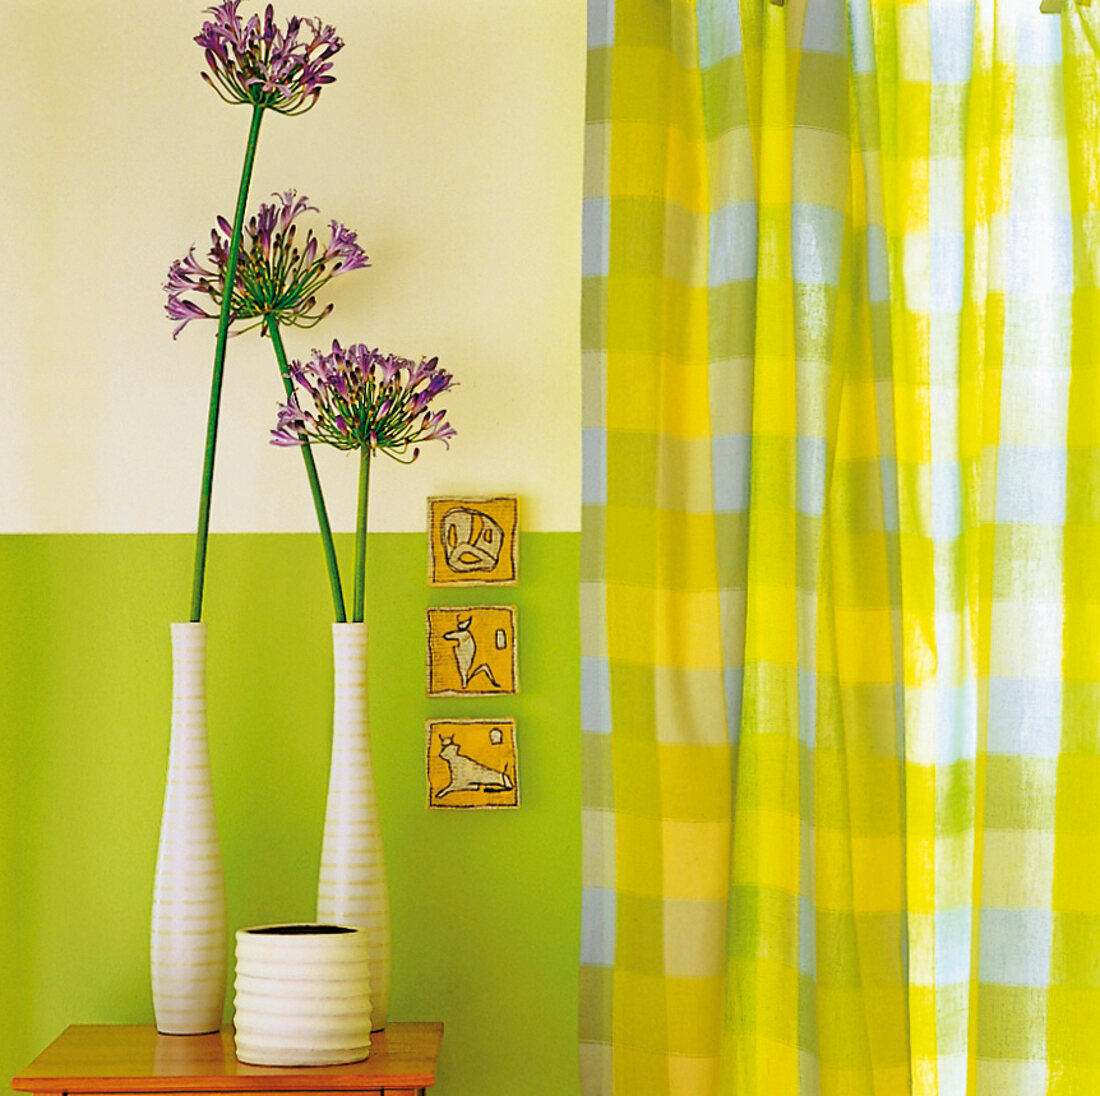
<point>841,548</point>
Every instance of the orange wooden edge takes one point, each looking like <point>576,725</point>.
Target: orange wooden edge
<point>127,1058</point>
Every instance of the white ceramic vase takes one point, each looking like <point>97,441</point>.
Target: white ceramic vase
<point>302,995</point>
<point>188,940</point>
<point>352,888</point>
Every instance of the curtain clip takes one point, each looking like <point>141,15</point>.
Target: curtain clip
<point>779,3</point>
<point>1051,7</point>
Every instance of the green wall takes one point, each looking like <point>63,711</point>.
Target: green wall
<point>485,905</point>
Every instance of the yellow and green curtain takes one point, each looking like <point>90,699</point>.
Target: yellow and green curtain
<point>841,549</point>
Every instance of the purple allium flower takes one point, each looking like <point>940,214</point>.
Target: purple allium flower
<point>275,277</point>
<point>256,62</point>
<point>363,399</point>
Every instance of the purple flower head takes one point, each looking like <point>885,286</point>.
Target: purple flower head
<point>365,400</point>
<point>256,62</point>
<point>343,248</point>
<point>292,207</point>
<point>275,277</point>
<point>185,311</point>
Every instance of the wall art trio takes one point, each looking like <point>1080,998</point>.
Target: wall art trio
<point>471,651</point>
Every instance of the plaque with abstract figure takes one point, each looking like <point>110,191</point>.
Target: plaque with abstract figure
<point>473,542</point>
<point>472,763</point>
<point>472,651</point>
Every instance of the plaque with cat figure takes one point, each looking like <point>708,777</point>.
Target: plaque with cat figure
<point>473,542</point>
<point>472,651</point>
<point>472,764</point>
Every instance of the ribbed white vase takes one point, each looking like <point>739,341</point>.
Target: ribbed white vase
<point>188,953</point>
<point>302,995</point>
<point>352,888</point>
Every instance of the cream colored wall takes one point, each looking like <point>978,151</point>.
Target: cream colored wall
<point>451,141</point>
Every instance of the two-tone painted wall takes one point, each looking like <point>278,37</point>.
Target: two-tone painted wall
<point>452,143</point>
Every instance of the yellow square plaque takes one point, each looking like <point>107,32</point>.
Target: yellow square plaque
<point>473,542</point>
<point>472,651</point>
<point>472,764</point>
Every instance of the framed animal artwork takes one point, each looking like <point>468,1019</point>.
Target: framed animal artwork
<point>473,542</point>
<point>472,764</point>
<point>472,651</point>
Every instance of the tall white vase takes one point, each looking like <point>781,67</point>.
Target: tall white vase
<point>352,888</point>
<point>188,953</point>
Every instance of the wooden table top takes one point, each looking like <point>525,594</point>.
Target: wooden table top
<point>135,1058</point>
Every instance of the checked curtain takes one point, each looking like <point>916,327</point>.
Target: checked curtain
<point>841,549</point>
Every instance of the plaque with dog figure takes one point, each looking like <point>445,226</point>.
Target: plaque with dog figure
<point>473,542</point>
<point>472,763</point>
<point>472,651</point>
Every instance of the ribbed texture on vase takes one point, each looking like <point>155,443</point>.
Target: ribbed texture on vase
<point>352,888</point>
<point>302,999</point>
<point>188,940</point>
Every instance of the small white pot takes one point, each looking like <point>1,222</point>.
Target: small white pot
<point>302,995</point>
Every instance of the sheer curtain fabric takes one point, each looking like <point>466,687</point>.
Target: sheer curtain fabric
<point>841,549</point>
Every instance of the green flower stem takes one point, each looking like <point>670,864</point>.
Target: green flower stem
<point>314,479</point>
<point>361,537</point>
<point>203,529</point>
